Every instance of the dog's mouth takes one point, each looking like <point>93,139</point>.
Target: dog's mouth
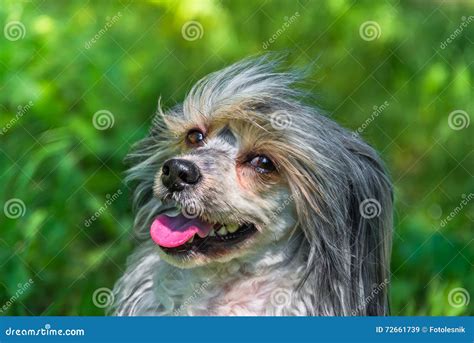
<point>178,233</point>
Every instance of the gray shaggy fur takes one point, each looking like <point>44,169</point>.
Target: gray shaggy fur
<point>336,262</point>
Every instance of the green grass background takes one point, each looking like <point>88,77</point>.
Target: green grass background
<point>64,169</point>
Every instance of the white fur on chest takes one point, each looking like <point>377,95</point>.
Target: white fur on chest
<point>153,287</point>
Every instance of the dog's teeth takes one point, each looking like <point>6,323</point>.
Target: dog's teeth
<point>191,239</point>
<point>232,228</point>
<point>222,231</point>
<point>212,233</point>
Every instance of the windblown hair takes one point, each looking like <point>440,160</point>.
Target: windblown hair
<point>339,254</point>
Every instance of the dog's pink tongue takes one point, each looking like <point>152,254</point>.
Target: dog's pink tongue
<point>171,232</point>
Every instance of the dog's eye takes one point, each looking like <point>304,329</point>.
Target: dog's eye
<point>262,164</point>
<point>195,137</point>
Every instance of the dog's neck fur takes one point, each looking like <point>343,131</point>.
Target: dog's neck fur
<point>255,285</point>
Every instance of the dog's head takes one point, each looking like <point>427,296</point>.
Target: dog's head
<point>243,165</point>
<point>224,182</point>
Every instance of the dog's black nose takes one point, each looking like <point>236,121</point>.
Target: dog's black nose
<point>177,173</point>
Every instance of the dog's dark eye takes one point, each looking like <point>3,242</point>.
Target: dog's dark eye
<point>262,164</point>
<point>195,137</point>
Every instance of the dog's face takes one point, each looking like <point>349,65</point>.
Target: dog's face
<point>224,189</point>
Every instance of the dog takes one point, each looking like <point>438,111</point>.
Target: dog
<point>250,202</point>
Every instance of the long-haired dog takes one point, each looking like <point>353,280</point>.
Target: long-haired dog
<point>256,204</point>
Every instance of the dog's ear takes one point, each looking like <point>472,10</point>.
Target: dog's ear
<point>345,213</point>
<point>370,221</point>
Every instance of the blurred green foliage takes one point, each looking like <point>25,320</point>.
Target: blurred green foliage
<point>63,169</point>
